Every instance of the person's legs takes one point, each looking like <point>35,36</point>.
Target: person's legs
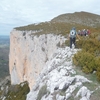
<point>70,42</point>
<point>74,41</point>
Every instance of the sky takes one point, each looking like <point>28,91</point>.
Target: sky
<point>15,13</point>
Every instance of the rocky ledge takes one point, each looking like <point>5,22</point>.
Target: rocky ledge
<point>59,80</point>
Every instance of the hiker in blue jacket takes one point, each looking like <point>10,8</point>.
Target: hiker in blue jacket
<point>72,37</point>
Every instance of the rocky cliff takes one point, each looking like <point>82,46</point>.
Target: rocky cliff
<point>36,57</point>
<point>29,54</point>
<point>59,80</point>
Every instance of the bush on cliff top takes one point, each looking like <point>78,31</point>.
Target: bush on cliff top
<point>89,57</point>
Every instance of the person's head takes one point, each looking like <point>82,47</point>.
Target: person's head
<point>73,28</point>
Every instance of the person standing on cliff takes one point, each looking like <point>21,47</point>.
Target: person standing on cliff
<point>72,37</point>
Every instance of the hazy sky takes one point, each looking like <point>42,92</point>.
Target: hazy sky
<point>14,13</point>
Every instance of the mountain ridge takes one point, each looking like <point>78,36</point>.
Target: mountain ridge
<point>63,23</point>
<point>84,18</point>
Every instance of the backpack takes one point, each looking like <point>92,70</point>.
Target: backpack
<point>72,33</point>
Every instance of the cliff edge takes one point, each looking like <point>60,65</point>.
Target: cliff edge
<point>29,54</point>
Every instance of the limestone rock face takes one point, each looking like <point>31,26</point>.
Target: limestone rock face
<point>29,54</point>
<point>59,80</point>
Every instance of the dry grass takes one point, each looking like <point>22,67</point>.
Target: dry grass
<point>55,28</point>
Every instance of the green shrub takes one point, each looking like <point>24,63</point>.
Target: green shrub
<point>17,92</point>
<point>85,60</point>
<point>91,45</point>
<point>98,73</point>
<point>89,57</point>
<point>80,43</point>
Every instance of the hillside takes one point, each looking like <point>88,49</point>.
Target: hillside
<point>63,23</point>
<point>83,18</point>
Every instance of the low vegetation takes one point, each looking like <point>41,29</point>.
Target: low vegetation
<point>89,57</point>
<point>51,27</point>
<point>16,92</point>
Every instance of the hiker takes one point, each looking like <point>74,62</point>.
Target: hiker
<point>85,32</point>
<point>79,32</point>
<point>82,32</point>
<point>88,32</point>
<point>72,37</point>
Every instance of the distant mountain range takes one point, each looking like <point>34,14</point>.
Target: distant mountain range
<point>4,56</point>
<point>4,40</point>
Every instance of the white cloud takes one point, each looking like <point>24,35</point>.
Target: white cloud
<point>21,12</point>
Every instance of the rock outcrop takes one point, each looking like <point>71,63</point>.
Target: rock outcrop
<point>29,54</point>
<point>59,81</point>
